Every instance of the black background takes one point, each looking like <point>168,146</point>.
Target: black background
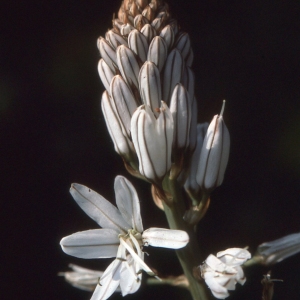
<point>53,134</point>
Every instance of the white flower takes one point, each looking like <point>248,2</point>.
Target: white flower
<point>121,236</point>
<point>82,278</point>
<point>221,273</point>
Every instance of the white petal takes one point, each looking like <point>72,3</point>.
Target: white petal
<point>97,243</point>
<point>217,265</point>
<point>81,270</point>
<point>227,281</point>
<point>234,256</point>
<point>128,203</point>
<point>109,281</point>
<point>166,238</point>
<point>129,283</point>
<point>98,208</point>
<point>218,291</point>
<point>82,278</point>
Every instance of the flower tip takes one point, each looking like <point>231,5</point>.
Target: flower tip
<point>222,109</point>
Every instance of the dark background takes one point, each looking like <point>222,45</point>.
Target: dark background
<point>53,133</point>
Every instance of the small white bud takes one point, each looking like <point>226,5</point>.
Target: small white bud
<point>214,154</point>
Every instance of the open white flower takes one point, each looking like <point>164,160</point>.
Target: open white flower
<point>221,273</point>
<point>121,236</point>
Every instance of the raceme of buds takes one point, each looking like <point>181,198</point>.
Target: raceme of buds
<point>275,251</point>
<point>152,139</point>
<point>223,271</point>
<point>144,58</point>
<point>214,154</point>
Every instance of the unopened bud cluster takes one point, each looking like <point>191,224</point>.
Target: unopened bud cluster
<point>149,104</point>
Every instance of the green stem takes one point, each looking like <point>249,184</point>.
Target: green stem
<point>189,256</point>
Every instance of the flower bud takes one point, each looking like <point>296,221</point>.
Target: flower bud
<point>138,44</point>
<point>107,52</point>
<point>172,73</point>
<point>183,44</point>
<point>158,52</point>
<point>280,249</point>
<point>150,86</point>
<point>180,107</point>
<point>105,73</point>
<point>167,34</point>
<point>152,139</point>
<point>128,65</point>
<point>191,185</point>
<point>122,144</point>
<point>149,32</point>
<point>115,39</point>
<point>124,102</point>
<point>214,154</point>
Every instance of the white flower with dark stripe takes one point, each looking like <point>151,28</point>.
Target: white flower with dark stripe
<point>121,236</point>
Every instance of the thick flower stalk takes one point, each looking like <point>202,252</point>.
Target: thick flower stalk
<point>146,59</point>
<point>121,236</point>
<point>222,272</point>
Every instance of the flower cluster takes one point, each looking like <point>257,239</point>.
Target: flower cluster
<point>121,236</point>
<point>149,104</point>
<point>222,272</point>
